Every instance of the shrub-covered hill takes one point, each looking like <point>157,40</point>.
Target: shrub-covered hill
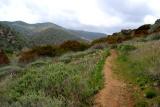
<point>130,34</point>
<point>11,40</point>
<point>52,36</point>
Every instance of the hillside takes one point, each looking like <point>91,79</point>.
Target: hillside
<point>52,36</point>
<point>49,33</point>
<point>130,34</point>
<point>120,70</point>
<point>132,79</point>
<point>87,35</point>
<point>11,40</point>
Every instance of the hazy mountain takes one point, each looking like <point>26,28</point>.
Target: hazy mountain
<point>87,35</point>
<point>29,29</point>
<point>49,33</point>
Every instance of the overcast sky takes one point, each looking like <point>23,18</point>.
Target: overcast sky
<point>93,15</point>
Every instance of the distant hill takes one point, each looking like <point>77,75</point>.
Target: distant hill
<point>11,40</point>
<point>88,35</point>
<point>52,36</point>
<point>49,33</point>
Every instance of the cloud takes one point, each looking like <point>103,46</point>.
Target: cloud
<point>93,15</point>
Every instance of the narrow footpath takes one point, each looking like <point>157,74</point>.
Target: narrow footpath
<point>115,92</point>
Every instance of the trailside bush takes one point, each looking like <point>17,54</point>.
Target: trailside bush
<point>141,104</point>
<point>150,93</point>
<point>100,40</point>
<point>126,48</point>
<point>73,46</point>
<point>39,51</point>
<point>51,51</point>
<point>28,56</point>
<point>47,50</point>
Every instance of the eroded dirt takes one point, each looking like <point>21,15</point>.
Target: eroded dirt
<point>115,92</point>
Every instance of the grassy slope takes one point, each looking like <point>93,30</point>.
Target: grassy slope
<point>69,81</point>
<point>141,68</point>
<point>52,36</point>
<point>10,40</point>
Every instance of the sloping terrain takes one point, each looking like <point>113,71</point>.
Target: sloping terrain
<point>52,36</point>
<point>87,35</point>
<point>49,33</point>
<point>11,40</point>
<point>67,81</point>
<point>138,64</point>
<point>143,31</point>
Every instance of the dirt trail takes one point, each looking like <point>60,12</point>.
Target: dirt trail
<point>115,92</point>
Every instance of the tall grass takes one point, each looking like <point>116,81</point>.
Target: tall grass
<point>57,84</point>
<point>141,67</point>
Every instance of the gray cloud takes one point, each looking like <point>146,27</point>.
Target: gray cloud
<point>93,15</point>
<point>128,12</point>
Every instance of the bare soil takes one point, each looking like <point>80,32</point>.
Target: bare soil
<point>115,92</point>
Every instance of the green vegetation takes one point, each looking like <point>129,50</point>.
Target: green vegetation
<point>52,50</point>
<point>49,33</point>
<point>10,40</point>
<point>52,36</point>
<point>155,36</point>
<point>7,70</point>
<point>141,67</point>
<point>54,72</point>
<point>150,93</point>
<point>56,83</point>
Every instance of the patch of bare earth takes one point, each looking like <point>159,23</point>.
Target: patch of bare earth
<point>115,92</point>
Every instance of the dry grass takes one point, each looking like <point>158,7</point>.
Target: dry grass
<point>141,67</point>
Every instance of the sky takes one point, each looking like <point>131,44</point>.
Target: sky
<point>106,16</point>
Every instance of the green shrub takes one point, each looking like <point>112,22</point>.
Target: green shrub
<point>141,104</point>
<point>57,84</point>
<point>150,93</point>
<point>51,51</point>
<point>26,57</point>
<point>73,46</point>
<point>126,48</point>
<point>47,50</point>
<point>154,37</point>
<point>99,41</point>
<point>39,51</point>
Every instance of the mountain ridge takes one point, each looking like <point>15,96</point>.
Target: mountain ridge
<point>30,29</point>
